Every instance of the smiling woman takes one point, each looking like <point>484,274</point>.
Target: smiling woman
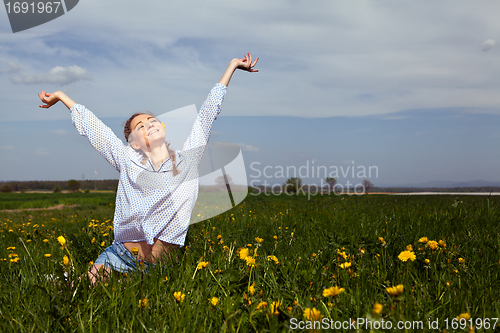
<point>158,187</point>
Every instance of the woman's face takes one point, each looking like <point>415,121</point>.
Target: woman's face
<point>146,132</point>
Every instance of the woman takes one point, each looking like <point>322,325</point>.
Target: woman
<point>158,187</point>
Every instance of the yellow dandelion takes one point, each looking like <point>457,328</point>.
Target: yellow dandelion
<point>261,305</point>
<point>179,296</point>
<point>214,301</point>
<point>135,250</point>
<point>65,261</point>
<point>61,240</point>
<point>45,240</point>
<point>250,261</point>
<point>345,265</point>
<point>202,264</point>
<point>258,240</point>
<point>312,314</point>
<point>143,303</point>
<point>464,315</point>
<point>377,308</point>
<point>427,261</point>
<point>244,253</point>
<point>273,309</point>
<point>15,260</point>
<point>395,291</point>
<point>13,255</point>
<point>11,248</point>
<point>405,255</point>
<point>409,247</point>
<point>461,260</point>
<point>423,240</point>
<point>251,289</point>
<point>333,291</point>
<point>433,245</point>
<point>47,255</point>
<point>273,258</point>
<point>275,237</point>
<point>442,243</point>
<point>342,254</point>
<point>103,243</point>
<point>381,240</point>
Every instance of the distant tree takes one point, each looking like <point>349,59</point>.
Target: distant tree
<point>57,188</point>
<point>221,182</point>
<point>292,185</point>
<point>5,188</point>
<point>367,185</point>
<point>73,185</point>
<point>330,183</point>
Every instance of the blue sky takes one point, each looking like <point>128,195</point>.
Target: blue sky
<point>409,87</point>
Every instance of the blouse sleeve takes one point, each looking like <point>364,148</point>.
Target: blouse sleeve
<point>202,127</point>
<point>100,136</point>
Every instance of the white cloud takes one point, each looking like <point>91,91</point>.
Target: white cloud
<point>57,75</point>
<point>13,67</point>
<point>249,148</point>
<point>488,45</point>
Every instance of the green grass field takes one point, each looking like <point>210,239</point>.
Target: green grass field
<point>268,265</point>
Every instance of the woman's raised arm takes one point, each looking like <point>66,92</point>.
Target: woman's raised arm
<point>51,99</point>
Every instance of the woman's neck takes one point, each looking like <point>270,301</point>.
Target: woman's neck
<point>158,155</point>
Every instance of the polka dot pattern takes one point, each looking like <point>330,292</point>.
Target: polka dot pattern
<point>152,203</point>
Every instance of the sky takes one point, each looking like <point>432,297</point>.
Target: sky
<point>405,89</point>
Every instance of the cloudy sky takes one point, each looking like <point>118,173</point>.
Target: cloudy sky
<point>408,87</point>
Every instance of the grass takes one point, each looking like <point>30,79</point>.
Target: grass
<point>300,248</point>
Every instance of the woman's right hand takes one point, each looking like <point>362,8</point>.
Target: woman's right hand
<point>51,99</point>
<point>48,99</point>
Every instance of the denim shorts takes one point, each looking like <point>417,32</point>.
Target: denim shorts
<point>120,259</point>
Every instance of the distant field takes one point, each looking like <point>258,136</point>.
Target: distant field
<point>271,262</point>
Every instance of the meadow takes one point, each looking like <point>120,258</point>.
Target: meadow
<point>273,263</point>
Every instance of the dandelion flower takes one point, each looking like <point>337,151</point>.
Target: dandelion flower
<point>47,255</point>
<point>135,250</point>
<point>312,314</point>
<point>61,240</point>
<point>261,305</point>
<point>461,260</point>
<point>66,261</point>
<point>342,254</point>
<point>405,255</point>
<point>345,265</point>
<point>11,248</point>
<point>423,240</point>
<point>273,309</point>
<point>143,303</point>
<point>103,243</point>
<point>214,301</point>
<point>333,291</point>
<point>409,247</point>
<point>377,308</point>
<point>202,264</point>
<point>381,240</point>
<point>273,258</point>
<point>395,291</point>
<point>45,240</point>
<point>15,260</point>
<point>179,296</point>
<point>442,243</point>
<point>244,253</point>
<point>464,315</point>
<point>258,240</point>
<point>250,261</point>
<point>251,289</point>
<point>427,261</point>
<point>432,244</point>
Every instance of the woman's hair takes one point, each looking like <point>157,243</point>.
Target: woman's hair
<point>127,131</point>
